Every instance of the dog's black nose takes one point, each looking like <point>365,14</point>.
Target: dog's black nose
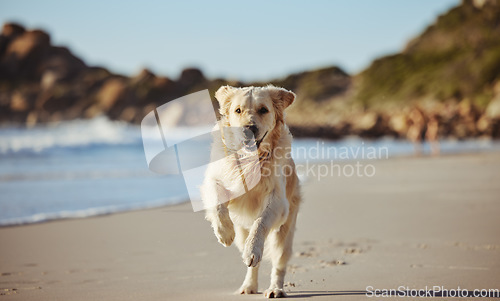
<point>253,128</point>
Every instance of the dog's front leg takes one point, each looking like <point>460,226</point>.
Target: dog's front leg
<point>222,224</point>
<point>217,213</point>
<point>275,211</point>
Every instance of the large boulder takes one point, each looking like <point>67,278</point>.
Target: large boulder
<point>9,32</point>
<point>24,55</point>
<point>113,91</point>
<point>191,77</point>
<point>28,55</point>
<point>144,76</point>
<point>60,64</point>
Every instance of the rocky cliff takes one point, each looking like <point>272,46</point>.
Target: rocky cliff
<point>448,76</point>
<point>455,58</point>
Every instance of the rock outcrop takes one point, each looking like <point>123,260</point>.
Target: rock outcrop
<point>445,83</point>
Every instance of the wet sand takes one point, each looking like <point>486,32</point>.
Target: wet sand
<point>418,222</point>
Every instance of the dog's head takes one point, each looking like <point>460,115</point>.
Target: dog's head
<point>258,110</point>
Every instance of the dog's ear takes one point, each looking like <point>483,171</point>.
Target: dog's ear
<point>223,95</point>
<point>281,97</point>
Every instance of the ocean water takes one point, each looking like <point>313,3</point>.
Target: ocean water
<point>91,167</point>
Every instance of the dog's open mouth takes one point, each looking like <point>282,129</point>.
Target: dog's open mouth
<point>253,144</point>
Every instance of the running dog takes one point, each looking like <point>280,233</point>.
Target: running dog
<point>261,220</point>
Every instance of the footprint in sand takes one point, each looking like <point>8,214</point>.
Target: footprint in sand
<point>332,263</point>
<point>353,251</point>
<point>8,291</point>
<point>309,253</point>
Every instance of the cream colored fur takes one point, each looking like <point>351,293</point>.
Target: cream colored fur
<point>263,219</point>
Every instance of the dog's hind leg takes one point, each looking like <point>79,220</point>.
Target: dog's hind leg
<point>281,253</point>
<point>250,283</point>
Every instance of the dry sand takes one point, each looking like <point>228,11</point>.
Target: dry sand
<point>418,222</point>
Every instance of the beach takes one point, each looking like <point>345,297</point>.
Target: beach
<point>417,222</point>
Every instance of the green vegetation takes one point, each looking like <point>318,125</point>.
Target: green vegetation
<point>457,57</point>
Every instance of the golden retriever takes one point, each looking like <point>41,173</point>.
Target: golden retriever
<point>263,217</point>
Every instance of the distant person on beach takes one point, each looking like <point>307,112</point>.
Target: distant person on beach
<point>416,129</point>
<point>423,128</point>
<point>431,134</point>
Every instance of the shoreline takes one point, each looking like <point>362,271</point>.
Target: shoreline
<point>87,213</point>
<point>41,218</point>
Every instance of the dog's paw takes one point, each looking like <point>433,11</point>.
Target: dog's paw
<point>246,289</point>
<point>224,231</point>
<point>252,254</point>
<point>274,293</point>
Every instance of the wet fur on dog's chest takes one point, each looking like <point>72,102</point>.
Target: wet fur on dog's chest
<point>245,209</point>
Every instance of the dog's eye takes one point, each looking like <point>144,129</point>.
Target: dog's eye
<point>238,111</point>
<point>263,110</point>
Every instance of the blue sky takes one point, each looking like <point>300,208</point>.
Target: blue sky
<point>255,40</point>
